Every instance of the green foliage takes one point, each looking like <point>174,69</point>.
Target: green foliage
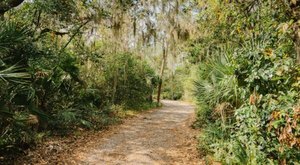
<point>47,90</point>
<point>179,85</point>
<point>216,89</point>
<point>74,64</point>
<point>173,84</point>
<point>250,100</point>
<point>128,79</point>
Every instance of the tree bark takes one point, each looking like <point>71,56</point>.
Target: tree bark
<point>297,45</point>
<point>161,74</point>
<point>9,4</point>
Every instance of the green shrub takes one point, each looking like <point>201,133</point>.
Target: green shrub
<point>49,91</point>
<point>129,80</point>
<point>258,80</point>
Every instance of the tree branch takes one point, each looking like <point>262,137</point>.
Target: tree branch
<point>9,4</point>
<point>75,33</point>
<point>47,30</point>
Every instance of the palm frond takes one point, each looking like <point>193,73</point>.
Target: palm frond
<point>14,74</point>
<point>10,34</point>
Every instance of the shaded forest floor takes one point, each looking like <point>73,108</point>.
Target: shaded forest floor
<point>158,136</point>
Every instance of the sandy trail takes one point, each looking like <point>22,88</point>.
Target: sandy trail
<point>162,136</point>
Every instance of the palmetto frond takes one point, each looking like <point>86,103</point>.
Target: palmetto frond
<point>13,74</point>
<point>10,35</point>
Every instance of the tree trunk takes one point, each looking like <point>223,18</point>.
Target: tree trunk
<point>159,91</point>
<point>297,45</point>
<point>173,85</point>
<point>161,74</point>
<point>115,84</point>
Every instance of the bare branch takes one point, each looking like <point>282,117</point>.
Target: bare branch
<point>47,30</point>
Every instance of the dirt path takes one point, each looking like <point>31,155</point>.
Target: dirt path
<point>162,136</point>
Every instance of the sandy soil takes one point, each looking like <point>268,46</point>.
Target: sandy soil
<point>159,136</point>
<point>163,136</point>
